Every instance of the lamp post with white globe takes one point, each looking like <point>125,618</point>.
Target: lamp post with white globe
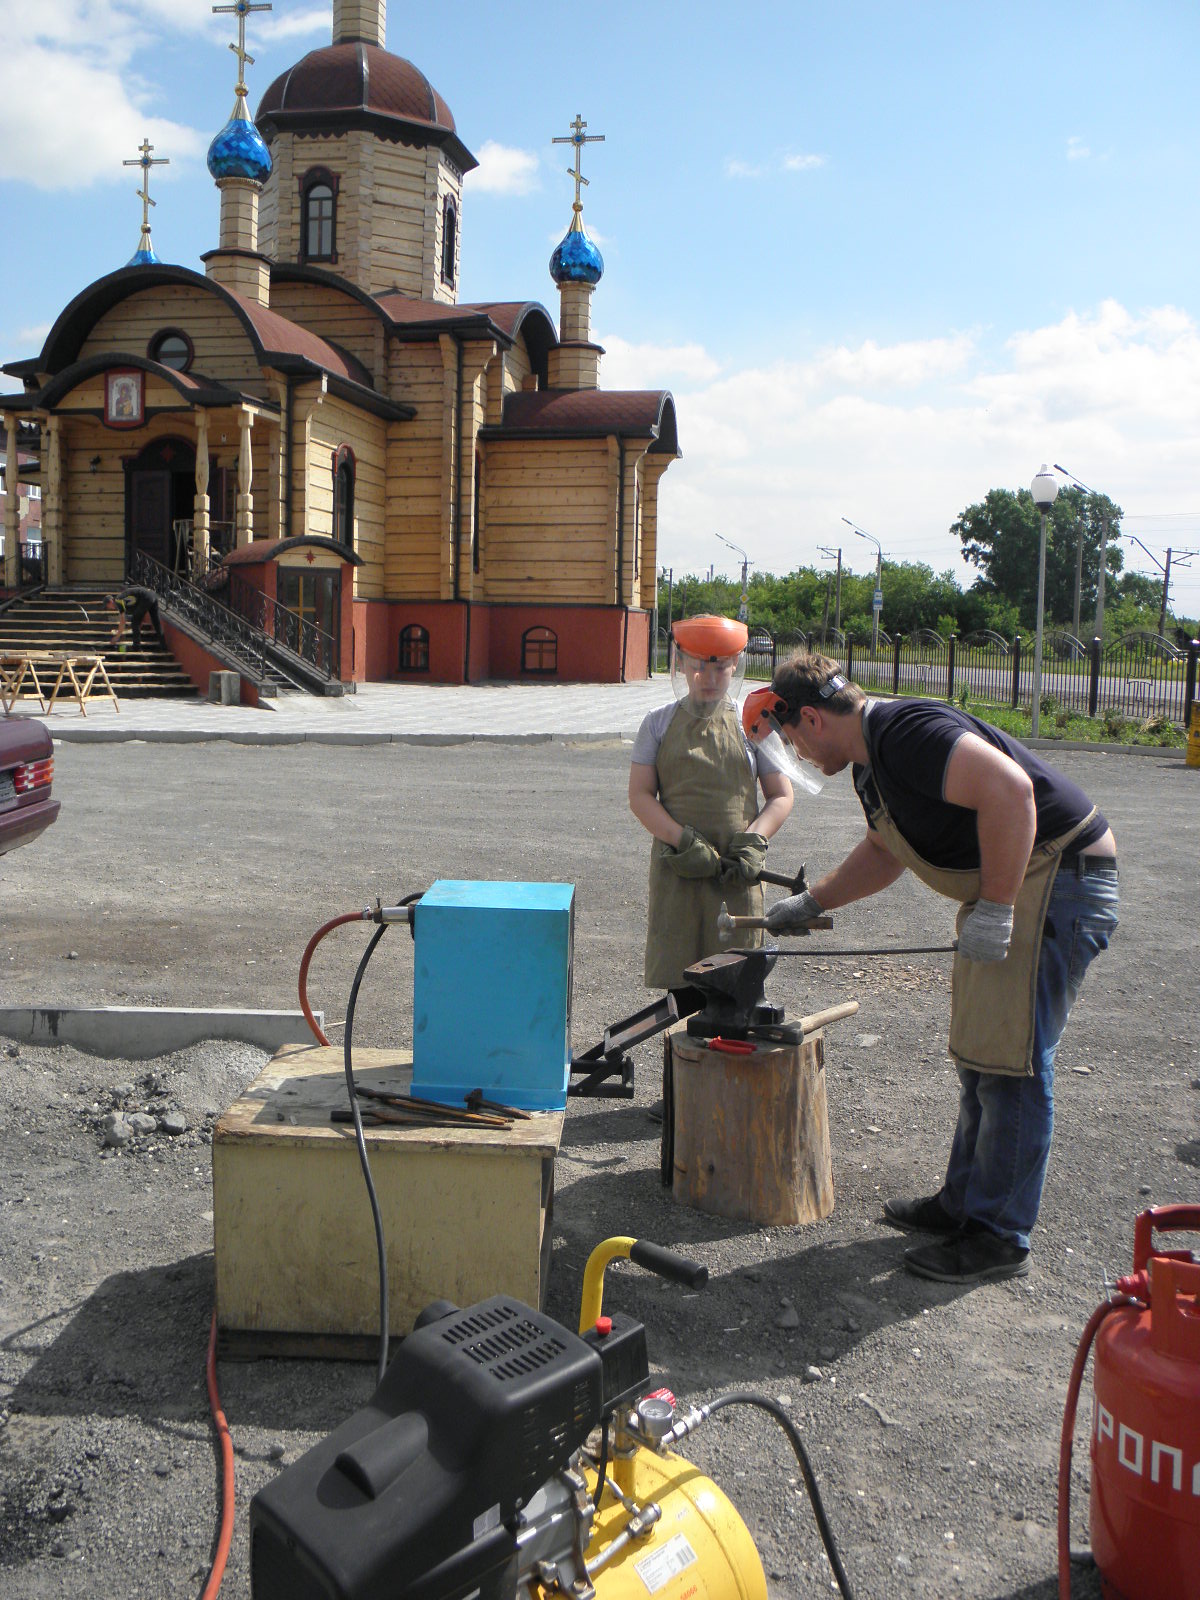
<point>1045,491</point>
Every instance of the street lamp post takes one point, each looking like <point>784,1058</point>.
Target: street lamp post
<point>877,597</point>
<point>1045,491</point>
<point>744,607</point>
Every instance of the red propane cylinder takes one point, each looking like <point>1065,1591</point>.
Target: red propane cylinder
<point>1145,1444</point>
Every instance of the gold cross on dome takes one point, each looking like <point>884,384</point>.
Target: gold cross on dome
<point>241,9</point>
<point>578,138</point>
<point>146,161</point>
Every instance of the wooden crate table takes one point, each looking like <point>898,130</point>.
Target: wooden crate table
<point>751,1132</point>
<point>466,1211</point>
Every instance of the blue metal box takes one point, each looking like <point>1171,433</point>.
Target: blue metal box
<point>492,992</point>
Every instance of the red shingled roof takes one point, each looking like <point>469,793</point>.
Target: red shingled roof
<point>585,410</point>
<point>357,77</point>
<point>280,337</point>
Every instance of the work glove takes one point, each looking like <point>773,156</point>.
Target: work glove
<point>693,857</point>
<point>743,859</point>
<point>986,931</point>
<point>791,914</point>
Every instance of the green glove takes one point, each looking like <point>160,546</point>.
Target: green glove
<point>694,857</point>
<point>744,859</point>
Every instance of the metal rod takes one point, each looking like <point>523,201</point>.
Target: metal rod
<point>883,950</point>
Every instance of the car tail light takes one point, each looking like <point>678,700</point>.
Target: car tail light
<point>33,775</point>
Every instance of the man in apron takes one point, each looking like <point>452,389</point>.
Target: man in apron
<point>693,785</point>
<point>1032,863</point>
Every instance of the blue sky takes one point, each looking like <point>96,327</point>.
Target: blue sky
<point>886,256</point>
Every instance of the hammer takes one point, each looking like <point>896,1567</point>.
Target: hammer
<point>727,924</point>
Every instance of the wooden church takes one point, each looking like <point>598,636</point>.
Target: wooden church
<point>443,488</point>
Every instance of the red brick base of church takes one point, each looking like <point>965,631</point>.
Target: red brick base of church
<point>460,642</point>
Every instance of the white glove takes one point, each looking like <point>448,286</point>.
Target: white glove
<point>987,931</point>
<point>791,914</point>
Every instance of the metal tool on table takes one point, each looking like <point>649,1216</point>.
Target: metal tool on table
<point>416,1106</point>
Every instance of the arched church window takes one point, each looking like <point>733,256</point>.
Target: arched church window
<point>318,215</point>
<point>449,239</point>
<point>414,648</point>
<point>343,495</point>
<point>539,653</point>
<point>172,348</point>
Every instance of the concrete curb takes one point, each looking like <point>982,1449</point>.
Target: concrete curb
<point>329,737</point>
<point>138,1033</point>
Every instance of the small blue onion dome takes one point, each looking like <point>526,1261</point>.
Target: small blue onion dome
<point>238,151</point>
<point>576,259</point>
<point>143,256</point>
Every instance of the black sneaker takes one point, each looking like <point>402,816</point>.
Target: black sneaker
<point>972,1255</point>
<point>921,1216</point>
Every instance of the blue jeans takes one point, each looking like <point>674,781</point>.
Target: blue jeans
<point>1002,1143</point>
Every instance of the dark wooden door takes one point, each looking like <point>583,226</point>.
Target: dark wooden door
<point>150,513</point>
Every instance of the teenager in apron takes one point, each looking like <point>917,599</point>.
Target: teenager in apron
<point>694,785</point>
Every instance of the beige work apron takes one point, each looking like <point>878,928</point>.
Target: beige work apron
<point>706,782</point>
<point>991,1002</point>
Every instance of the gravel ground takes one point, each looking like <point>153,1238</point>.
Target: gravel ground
<point>193,875</point>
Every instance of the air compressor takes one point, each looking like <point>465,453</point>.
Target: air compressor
<point>1145,1433</point>
<point>505,1457</point>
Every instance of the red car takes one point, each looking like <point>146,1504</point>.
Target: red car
<point>26,772</point>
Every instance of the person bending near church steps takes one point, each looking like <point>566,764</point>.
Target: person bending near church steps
<point>979,818</point>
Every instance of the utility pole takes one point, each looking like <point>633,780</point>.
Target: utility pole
<point>837,612</point>
<point>1078,573</point>
<point>877,597</point>
<point>744,606</point>
<point>1181,558</point>
<point>1103,573</point>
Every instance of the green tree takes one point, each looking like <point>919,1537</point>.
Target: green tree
<point>1000,536</point>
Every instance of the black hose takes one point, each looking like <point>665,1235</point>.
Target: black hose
<point>602,1469</point>
<point>746,1398</point>
<point>363,1160</point>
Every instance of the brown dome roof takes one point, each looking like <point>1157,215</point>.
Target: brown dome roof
<point>351,84</point>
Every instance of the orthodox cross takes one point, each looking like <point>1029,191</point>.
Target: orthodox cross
<point>241,9</point>
<point>146,161</point>
<point>578,138</point>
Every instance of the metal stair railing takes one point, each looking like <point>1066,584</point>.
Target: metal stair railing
<point>286,628</point>
<point>242,638</point>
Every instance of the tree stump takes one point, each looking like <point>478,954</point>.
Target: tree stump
<point>751,1132</point>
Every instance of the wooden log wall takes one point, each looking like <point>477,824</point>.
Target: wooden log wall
<point>416,566</point>
<point>652,469</point>
<point>336,423</point>
<point>339,317</point>
<point>223,347</point>
<point>389,208</point>
<point>549,518</point>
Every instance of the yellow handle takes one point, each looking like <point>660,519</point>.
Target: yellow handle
<point>592,1298</point>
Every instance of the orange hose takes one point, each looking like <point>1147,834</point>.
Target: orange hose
<point>310,947</point>
<point>217,1570</point>
<point>1067,1444</point>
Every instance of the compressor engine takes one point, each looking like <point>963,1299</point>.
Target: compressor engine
<point>501,1456</point>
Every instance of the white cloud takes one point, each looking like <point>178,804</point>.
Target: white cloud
<point>653,366</point>
<point>273,30</point>
<point>901,438</point>
<point>503,169</point>
<point>796,162</point>
<point>97,123</point>
<point>34,336</point>
<point>1076,149</point>
<point>742,169</point>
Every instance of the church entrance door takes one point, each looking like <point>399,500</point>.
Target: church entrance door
<point>160,494</point>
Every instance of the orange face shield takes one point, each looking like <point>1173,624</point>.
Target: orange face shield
<point>760,720</point>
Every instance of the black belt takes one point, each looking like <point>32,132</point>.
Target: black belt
<point>1085,866</point>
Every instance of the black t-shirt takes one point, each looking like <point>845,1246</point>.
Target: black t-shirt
<point>910,743</point>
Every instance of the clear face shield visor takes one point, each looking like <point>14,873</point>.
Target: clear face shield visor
<point>760,719</point>
<point>702,684</point>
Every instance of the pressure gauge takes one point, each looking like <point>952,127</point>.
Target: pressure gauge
<point>656,1417</point>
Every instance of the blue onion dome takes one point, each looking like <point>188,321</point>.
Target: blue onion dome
<point>238,151</point>
<point>143,256</point>
<point>576,259</point>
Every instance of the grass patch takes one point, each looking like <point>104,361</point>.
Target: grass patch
<point>1111,728</point>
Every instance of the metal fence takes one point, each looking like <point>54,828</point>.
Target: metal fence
<point>1142,675</point>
